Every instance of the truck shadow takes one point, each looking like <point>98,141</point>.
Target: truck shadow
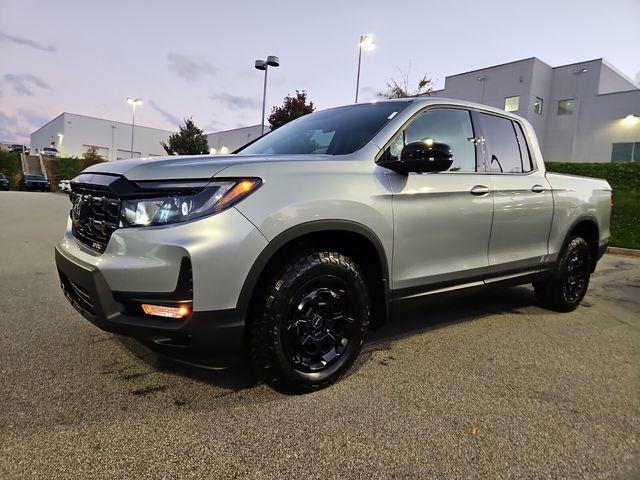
<point>407,319</point>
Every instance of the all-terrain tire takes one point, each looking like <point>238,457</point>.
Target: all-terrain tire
<point>566,287</point>
<point>310,322</point>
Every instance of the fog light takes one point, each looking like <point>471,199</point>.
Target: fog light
<point>164,311</point>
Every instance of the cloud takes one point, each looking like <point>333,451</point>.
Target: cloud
<point>233,102</point>
<point>10,129</point>
<point>188,68</point>
<point>33,119</point>
<point>168,116</point>
<point>215,126</point>
<point>23,83</point>
<point>5,37</point>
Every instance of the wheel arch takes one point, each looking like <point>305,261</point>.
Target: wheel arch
<point>351,238</point>
<point>586,226</point>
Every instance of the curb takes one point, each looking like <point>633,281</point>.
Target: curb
<point>629,252</point>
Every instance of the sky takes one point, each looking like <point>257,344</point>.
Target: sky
<point>195,59</point>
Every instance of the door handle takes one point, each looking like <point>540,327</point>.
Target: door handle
<point>479,190</point>
<point>538,189</point>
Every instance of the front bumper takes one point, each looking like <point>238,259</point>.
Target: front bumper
<point>217,332</point>
<point>212,255</point>
<point>37,187</point>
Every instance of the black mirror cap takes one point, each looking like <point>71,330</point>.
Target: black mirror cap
<point>422,157</point>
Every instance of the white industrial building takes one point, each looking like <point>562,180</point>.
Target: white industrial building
<point>227,141</point>
<point>582,112</point>
<point>74,134</point>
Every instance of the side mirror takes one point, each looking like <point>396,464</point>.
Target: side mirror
<point>420,157</point>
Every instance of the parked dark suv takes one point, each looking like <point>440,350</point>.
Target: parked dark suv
<point>4,182</point>
<point>18,148</point>
<point>35,183</point>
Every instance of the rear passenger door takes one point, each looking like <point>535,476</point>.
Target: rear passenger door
<point>522,199</point>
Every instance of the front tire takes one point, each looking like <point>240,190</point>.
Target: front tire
<point>311,322</point>
<point>568,284</point>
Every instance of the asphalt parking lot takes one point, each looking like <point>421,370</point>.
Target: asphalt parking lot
<point>486,386</point>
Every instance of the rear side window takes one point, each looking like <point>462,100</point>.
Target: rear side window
<point>446,125</point>
<point>501,144</point>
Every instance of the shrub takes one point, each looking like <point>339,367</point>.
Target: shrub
<point>625,180</point>
<point>11,167</point>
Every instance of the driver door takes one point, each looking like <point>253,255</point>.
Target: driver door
<point>442,221</point>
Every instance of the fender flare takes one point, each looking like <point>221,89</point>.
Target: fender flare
<point>300,230</point>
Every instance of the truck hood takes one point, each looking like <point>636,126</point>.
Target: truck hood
<point>186,167</point>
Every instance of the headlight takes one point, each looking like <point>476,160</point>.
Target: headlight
<point>179,206</point>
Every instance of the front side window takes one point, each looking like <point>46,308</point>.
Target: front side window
<point>445,125</point>
<point>511,104</point>
<point>337,131</point>
<point>537,105</point>
<point>565,107</point>
<point>500,143</point>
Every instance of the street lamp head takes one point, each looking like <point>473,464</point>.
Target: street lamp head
<point>631,119</point>
<point>367,42</point>
<point>273,61</point>
<point>134,101</point>
<point>261,65</point>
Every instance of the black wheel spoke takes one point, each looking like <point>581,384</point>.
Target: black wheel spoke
<point>320,327</point>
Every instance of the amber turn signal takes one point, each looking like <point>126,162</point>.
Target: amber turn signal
<point>164,311</point>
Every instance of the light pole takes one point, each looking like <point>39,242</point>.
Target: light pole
<point>367,43</point>
<point>271,61</point>
<point>134,102</point>
<point>112,154</point>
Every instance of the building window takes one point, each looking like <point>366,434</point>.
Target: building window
<point>537,105</point>
<point>565,107</point>
<point>625,152</point>
<point>511,104</point>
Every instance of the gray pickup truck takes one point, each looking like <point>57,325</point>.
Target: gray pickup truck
<point>292,247</point>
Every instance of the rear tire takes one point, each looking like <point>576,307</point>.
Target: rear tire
<point>568,284</point>
<point>310,323</point>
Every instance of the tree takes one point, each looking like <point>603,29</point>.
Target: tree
<point>190,140</point>
<point>399,87</point>
<point>90,157</point>
<point>292,108</point>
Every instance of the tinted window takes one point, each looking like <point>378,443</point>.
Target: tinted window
<point>537,105</point>
<point>337,131</point>
<point>512,104</point>
<point>501,146</point>
<point>621,152</point>
<point>34,177</point>
<point>450,126</point>
<point>525,154</point>
<point>565,107</point>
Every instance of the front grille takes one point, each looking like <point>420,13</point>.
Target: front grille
<point>77,295</point>
<point>94,213</point>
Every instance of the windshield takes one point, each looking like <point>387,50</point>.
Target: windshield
<point>49,149</point>
<point>34,177</point>
<point>337,131</point>
<point>3,176</point>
